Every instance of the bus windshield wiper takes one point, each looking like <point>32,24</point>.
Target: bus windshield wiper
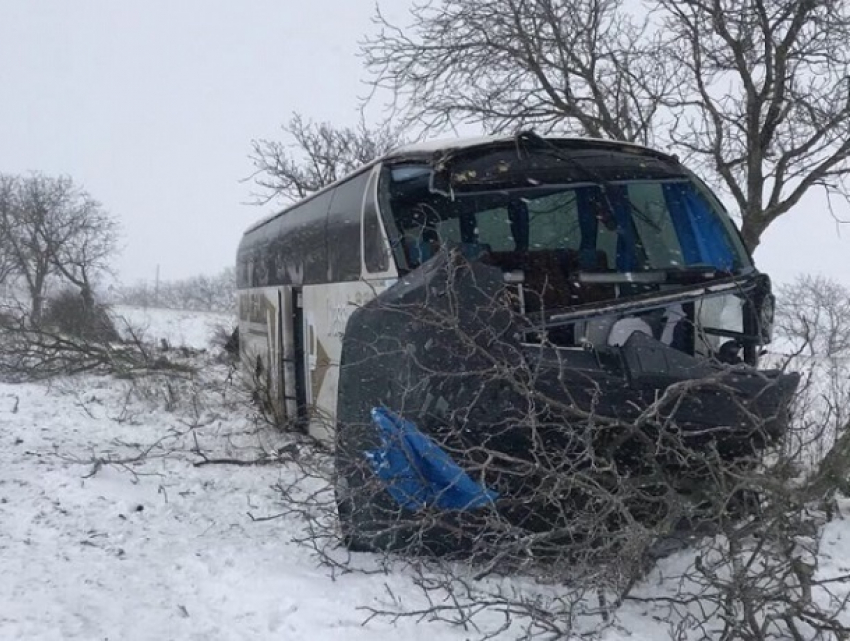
<point>673,275</point>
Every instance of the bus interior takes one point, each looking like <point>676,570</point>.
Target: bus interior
<point>578,229</point>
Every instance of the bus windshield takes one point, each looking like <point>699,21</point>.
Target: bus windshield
<point>624,226</point>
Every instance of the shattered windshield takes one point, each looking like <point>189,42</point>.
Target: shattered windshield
<point>637,217</point>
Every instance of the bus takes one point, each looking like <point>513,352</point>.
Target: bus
<point>606,259</point>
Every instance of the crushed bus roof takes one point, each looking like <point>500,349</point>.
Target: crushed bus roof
<point>431,148</point>
<point>437,145</point>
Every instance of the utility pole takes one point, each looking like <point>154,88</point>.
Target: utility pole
<point>156,288</point>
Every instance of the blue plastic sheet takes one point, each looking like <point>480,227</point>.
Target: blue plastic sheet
<point>701,234</point>
<point>417,472</point>
<point>588,226</point>
<point>626,241</point>
<point>699,230</point>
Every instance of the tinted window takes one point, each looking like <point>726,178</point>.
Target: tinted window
<point>494,229</point>
<point>553,222</point>
<point>291,249</point>
<point>344,230</point>
<point>642,224</point>
<point>654,225</point>
<point>374,249</point>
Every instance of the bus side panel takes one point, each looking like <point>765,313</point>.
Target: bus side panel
<point>327,309</point>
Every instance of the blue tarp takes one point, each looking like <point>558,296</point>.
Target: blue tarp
<point>626,258</point>
<point>588,225</point>
<point>417,472</point>
<point>701,234</point>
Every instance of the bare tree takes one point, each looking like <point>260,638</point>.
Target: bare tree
<point>813,317</point>
<point>24,217</point>
<point>813,336</point>
<point>52,228</point>
<point>585,66</point>
<point>7,250</point>
<point>87,239</point>
<point>208,293</point>
<point>756,92</point>
<point>316,155</point>
<point>766,103</point>
<point>6,264</point>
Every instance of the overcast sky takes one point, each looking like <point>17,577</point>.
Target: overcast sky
<point>152,105</point>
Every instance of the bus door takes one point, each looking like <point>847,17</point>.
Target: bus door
<point>299,394</point>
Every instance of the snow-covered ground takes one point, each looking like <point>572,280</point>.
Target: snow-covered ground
<point>109,531</point>
<point>158,549</point>
<point>178,327</point>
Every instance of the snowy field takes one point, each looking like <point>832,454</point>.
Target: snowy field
<point>156,549</point>
<point>179,328</point>
<point>108,531</point>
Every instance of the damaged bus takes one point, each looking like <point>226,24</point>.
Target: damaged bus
<point>453,313</point>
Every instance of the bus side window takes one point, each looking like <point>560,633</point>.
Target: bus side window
<point>344,230</point>
<point>374,248</point>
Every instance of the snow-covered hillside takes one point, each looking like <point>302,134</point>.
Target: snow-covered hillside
<point>108,529</point>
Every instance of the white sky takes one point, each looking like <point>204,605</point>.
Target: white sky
<point>152,106</point>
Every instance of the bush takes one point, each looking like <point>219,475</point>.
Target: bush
<point>69,313</point>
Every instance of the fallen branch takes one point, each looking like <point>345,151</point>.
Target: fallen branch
<point>263,460</point>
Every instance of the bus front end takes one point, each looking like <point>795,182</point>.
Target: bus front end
<point>563,306</point>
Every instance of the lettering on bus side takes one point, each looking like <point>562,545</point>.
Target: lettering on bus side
<point>339,313</point>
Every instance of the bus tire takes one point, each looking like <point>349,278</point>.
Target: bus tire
<point>369,519</point>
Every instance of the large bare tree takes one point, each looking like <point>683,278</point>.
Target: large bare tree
<point>754,92</point>
<point>313,155</point>
<point>84,242</point>
<point>766,101</point>
<point>52,228</point>
<point>583,65</point>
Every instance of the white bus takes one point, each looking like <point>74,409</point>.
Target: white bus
<point>604,246</point>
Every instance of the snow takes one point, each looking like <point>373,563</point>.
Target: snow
<point>158,550</point>
<point>180,328</point>
<point>95,544</point>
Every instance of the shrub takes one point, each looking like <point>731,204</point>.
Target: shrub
<point>69,313</point>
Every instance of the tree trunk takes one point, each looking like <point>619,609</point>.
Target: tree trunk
<point>751,229</point>
<point>36,309</point>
